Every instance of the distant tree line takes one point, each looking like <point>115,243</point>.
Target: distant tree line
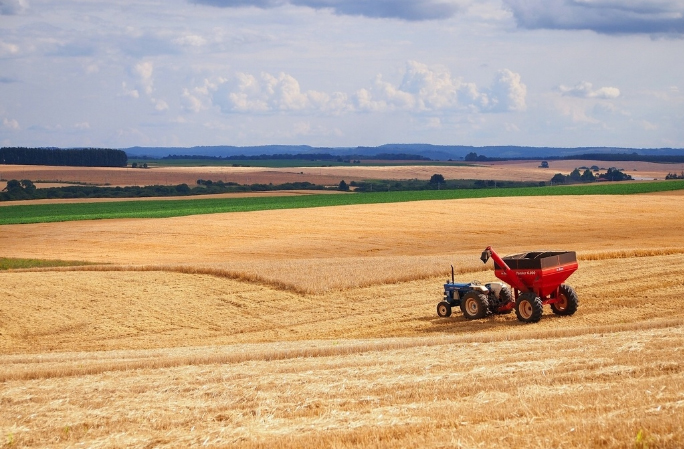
<point>26,190</point>
<point>436,182</point>
<point>307,157</point>
<point>77,157</point>
<point>675,176</point>
<point>623,157</point>
<point>609,157</point>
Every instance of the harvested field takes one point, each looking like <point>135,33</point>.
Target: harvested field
<point>317,328</point>
<point>510,170</point>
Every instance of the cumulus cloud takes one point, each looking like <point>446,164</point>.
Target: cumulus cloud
<point>423,89</point>
<point>10,124</point>
<point>144,72</point>
<point>602,16</point>
<point>426,88</point>
<point>247,93</point>
<point>12,7</point>
<point>586,90</point>
<point>395,9</point>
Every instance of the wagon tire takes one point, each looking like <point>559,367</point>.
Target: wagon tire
<point>505,297</point>
<point>444,309</point>
<point>529,308</point>
<point>474,305</point>
<point>568,301</point>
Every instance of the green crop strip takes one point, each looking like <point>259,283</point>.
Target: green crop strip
<point>13,264</point>
<point>44,213</point>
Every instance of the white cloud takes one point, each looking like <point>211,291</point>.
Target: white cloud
<point>8,49</point>
<point>246,93</point>
<point>397,9</point>
<point>13,7</point>
<point>133,93</point>
<point>144,72</point>
<point>82,125</point>
<point>426,88</point>
<point>508,93</point>
<point>160,105</point>
<point>10,124</point>
<point>423,89</point>
<point>586,90</point>
<point>603,16</point>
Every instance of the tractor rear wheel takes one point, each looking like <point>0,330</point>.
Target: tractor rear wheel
<point>444,309</point>
<point>474,305</point>
<point>567,301</point>
<point>505,296</point>
<point>529,308</point>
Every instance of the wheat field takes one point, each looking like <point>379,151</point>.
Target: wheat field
<point>502,171</point>
<point>317,328</point>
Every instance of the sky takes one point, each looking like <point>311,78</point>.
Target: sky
<point>340,73</point>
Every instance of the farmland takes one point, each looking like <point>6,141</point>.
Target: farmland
<point>316,327</point>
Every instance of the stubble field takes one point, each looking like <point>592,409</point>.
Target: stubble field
<point>317,328</point>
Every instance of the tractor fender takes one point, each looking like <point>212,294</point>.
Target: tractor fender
<point>495,287</point>
<point>480,288</point>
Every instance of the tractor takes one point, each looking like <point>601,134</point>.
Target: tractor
<point>475,299</point>
<point>536,279</point>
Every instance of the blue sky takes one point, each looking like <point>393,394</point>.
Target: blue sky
<point>342,73</point>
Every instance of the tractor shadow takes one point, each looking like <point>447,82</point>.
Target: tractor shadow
<point>457,322</point>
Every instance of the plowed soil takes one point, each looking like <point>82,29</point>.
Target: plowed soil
<point>317,328</point>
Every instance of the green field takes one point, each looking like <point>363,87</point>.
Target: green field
<point>44,213</point>
<point>13,264</point>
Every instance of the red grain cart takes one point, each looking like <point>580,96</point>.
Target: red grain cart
<point>537,278</point>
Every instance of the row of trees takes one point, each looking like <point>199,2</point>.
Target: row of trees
<point>77,157</point>
<point>576,176</point>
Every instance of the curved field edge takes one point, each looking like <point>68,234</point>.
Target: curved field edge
<point>46,213</point>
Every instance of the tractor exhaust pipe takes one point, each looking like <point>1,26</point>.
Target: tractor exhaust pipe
<point>452,274</point>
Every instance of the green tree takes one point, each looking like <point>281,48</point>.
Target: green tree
<point>558,178</point>
<point>575,175</point>
<point>437,179</point>
<point>343,186</point>
<point>588,176</point>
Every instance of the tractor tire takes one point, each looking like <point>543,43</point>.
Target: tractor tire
<point>529,308</point>
<point>505,296</point>
<point>568,301</point>
<point>474,305</point>
<point>444,309</point>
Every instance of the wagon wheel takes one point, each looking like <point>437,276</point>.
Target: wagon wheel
<point>474,305</point>
<point>444,309</point>
<point>567,301</point>
<point>529,308</point>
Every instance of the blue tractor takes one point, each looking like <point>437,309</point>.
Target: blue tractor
<point>476,300</point>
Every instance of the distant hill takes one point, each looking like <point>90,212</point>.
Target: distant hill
<point>435,152</point>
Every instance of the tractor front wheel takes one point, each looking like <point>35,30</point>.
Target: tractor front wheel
<point>567,301</point>
<point>529,308</point>
<point>444,309</point>
<point>474,305</point>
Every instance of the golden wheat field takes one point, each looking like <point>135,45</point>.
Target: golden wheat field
<point>317,328</point>
<point>503,171</point>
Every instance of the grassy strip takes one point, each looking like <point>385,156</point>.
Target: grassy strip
<point>44,213</point>
<point>13,264</point>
